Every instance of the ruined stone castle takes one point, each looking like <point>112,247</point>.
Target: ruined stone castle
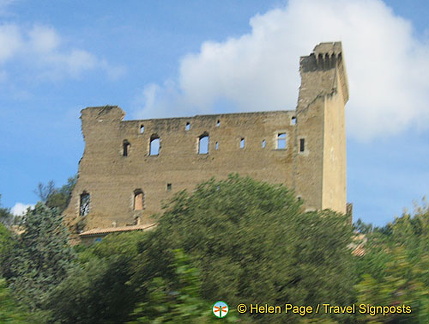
<point>130,167</point>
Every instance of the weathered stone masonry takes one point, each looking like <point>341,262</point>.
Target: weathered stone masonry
<point>130,167</point>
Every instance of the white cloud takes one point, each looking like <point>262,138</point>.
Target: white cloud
<point>41,50</point>
<point>20,209</point>
<point>43,39</point>
<point>387,67</point>
<point>11,40</point>
<point>161,101</point>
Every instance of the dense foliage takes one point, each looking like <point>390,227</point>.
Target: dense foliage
<point>236,240</point>
<point>10,312</point>
<point>394,269</point>
<point>40,257</point>
<point>54,197</point>
<point>255,237</point>
<point>6,218</point>
<point>97,289</point>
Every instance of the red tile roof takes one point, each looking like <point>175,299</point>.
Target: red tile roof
<point>105,231</point>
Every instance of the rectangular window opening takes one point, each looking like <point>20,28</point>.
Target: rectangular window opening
<point>301,144</point>
<point>169,186</point>
<point>242,143</point>
<point>125,148</point>
<point>85,200</point>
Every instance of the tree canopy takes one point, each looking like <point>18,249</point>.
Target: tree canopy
<point>393,270</point>
<point>41,256</point>
<point>255,237</point>
<point>237,240</point>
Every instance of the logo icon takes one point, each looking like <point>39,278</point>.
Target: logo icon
<point>220,309</point>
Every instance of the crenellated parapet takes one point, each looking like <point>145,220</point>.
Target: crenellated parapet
<point>322,73</point>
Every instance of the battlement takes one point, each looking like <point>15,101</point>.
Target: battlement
<point>129,167</point>
<point>325,71</point>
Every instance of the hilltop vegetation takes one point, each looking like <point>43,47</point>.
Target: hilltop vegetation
<point>236,240</point>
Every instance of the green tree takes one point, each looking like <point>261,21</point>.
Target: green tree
<point>10,312</point>
<point>43,191</point>
<point>6,216</point>
<point>41,257</point>
<point>56,197</point>
<point>393,270</point>
<point>176,301</point>
<point>400,286</point>
<point>253,243</point>
<point>98,289</point>
<point>363,227</point>
<point>7,244</point>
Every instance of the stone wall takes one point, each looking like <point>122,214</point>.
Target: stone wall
<point>124,177</point>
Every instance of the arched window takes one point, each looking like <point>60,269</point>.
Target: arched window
<point>242,143</point>
<point>141,129</point>
<point>125,148</point>
<point>138,199</point>
<point>154,145</point>
<point>84,203</point>
<point>263,143</point>
<point>203,143</point>
<point>281,141</point>
<point>188,126</point>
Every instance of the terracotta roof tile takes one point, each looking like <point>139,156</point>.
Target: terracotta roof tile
<point>99,231</point>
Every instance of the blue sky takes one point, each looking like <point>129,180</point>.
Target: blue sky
<point>175,58</point>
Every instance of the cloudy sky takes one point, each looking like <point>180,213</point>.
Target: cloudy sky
<point>174,58</point>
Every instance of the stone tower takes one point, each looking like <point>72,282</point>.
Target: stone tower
<point>130,167</point>
<point>321,121</point>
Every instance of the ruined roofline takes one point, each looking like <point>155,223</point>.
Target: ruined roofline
<point>292,111</point>
<point>220,115</point>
